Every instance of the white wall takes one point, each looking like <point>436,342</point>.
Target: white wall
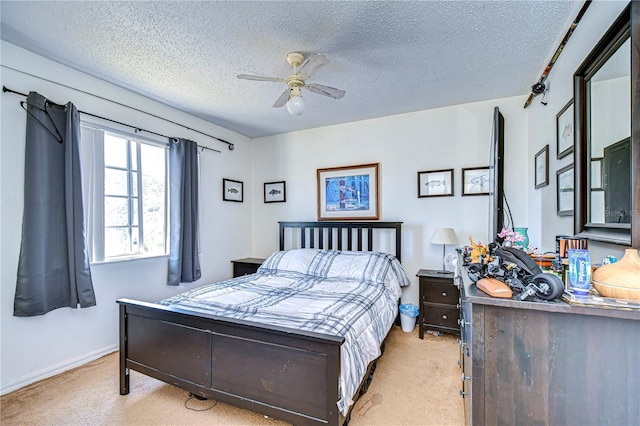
<point>452,137</point>
<point>37,347</point>
<point>544,223</point>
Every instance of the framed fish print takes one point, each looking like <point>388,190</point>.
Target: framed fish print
<point>475,181</point>
<point>232,190</point>
<point>275,192</point>
<point>564,130</point>
<point>541,166</point>
<point>348,193</point>
<point>435,183</point>
<point>564,200</point>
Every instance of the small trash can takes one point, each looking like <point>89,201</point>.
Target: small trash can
<point>408,314</point>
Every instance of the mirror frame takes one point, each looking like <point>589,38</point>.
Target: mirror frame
<point>627,24</point>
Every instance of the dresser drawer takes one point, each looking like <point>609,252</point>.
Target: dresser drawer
<point>440,316</point>
<point>446,294</point>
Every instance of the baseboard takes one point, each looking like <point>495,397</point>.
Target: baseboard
<point>57,369</point>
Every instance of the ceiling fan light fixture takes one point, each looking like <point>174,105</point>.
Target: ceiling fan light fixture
<point>303,68</point>
<point>295,104</point>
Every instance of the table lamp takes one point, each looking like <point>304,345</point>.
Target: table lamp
<point>444,236</point>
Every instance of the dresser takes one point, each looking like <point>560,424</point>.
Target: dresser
<point>547,363</point>
<point>246,266</point>
<point>439,302</point>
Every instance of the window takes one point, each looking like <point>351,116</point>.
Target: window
<point>125,184</point>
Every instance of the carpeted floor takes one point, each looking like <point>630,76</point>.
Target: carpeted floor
<point>417,382</point>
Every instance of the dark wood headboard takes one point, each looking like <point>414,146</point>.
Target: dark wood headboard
<point>339,235</point>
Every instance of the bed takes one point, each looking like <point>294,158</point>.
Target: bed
<point>295,358</point>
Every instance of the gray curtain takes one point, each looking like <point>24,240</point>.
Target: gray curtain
<point>184,263</point>
<point>54,269</point>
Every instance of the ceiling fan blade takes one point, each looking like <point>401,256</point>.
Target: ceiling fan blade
<point>312,64</point>
<point>282,100</point>
<point>258,77</point>
<point>320,89</point>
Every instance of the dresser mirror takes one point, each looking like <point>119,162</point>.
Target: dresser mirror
<point>605,183</point>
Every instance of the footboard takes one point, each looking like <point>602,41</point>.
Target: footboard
<point>288,374</point>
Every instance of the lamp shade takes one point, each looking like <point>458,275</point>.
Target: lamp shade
<point>444,236</point>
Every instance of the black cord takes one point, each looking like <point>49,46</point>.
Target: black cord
<point>56,135</point>
<point>192,396</point>
<point>508,210</point>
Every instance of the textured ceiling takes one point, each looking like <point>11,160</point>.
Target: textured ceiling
<point>390,57</point>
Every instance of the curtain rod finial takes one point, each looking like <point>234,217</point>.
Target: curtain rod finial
<point>231,147</point>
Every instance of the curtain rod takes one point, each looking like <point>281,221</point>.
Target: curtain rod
<point>6,89</point>
<point>229,144</point>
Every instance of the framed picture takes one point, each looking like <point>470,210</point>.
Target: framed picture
<point>564,178</point>
<point>275,192</point>
<point>349,192</point>
<point>232,190</point>
<point>596,174</point>
<point>435,183</point>
<point>541,165</point>
<point>475,181</point>
<point>564,130</point>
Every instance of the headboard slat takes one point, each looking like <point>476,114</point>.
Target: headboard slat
<point>303,235</point>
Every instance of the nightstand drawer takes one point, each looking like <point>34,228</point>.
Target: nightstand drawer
<point>446,294</point>
<point>441,316</point>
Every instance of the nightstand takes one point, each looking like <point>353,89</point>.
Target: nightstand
<point>246,266</point>
<point>439,299</point>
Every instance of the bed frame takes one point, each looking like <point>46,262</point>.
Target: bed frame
<point>284,373</point>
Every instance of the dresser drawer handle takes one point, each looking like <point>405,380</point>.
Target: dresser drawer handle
<point>445,316</point>
<point>444,294</point>
<point>463,323</point>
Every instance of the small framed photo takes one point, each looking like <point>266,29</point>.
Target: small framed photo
<point>564,178</point>
<point>349,192</point>
<point>275,192</point>
<point>564,130</point>
<point>435,183</point>
<point>596,174</point>
<point>541,164</point>
<point>232,190</point>
<point>475,181</point>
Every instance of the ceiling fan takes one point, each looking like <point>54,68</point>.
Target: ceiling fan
<point>302,69</point>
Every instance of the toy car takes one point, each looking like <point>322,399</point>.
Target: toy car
<point>516,269</point>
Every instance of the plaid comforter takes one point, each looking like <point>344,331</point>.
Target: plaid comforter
<point>348,294</point>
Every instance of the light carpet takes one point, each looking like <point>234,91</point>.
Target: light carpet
<point>417,382</point>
